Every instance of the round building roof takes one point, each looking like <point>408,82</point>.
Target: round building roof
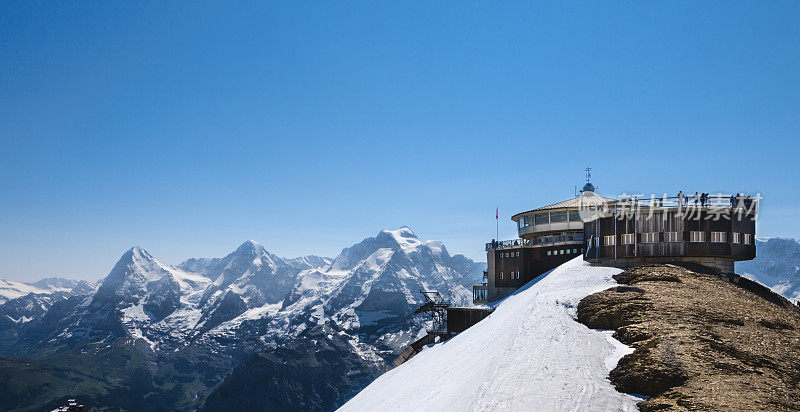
<point>587,199</point>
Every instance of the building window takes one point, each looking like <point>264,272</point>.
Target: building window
<point>747,238</point>
<point>671,236</point>
<point>541,218</point>
<point>517,254</point>
<point>574,216</point>
<point>735,237</point>
<point>574,250</point>
<point>627,239</point>
<point>507,254</point>
<point>501,275</point>
<point>718,237</point>
<point>650,237</point>
<point>548,253</point>
<point>558,217</point>
<point>610,240</point>
<point>698,236</point>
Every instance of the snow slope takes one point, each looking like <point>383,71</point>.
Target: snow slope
<point>530,354</point>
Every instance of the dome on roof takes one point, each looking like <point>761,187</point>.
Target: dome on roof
<point>588,187</point>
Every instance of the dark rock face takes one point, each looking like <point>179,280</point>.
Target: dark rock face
<point>702,341</point>
<point>318,371</point>
<point>229,307</point>
<point>164,296</point>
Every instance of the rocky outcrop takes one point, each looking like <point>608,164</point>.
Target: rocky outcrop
<point>702,341</point>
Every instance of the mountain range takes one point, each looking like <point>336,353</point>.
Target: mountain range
<point>167,337</point>
<point>777,266</point>
<point>12,290</point>
<point>250,330</point>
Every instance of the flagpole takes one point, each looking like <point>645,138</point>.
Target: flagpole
<point>497,223</point>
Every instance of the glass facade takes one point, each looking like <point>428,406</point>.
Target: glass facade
<point>544,218</point>
<point>558,217</point>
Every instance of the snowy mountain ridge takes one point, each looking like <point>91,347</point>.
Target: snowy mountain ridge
<point>223,310</point>
<point>777,266</point>
<point>11,290</point>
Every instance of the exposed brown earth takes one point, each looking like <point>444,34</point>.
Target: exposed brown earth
<point>702,341</point>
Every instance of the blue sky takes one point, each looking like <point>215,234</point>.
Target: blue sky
<point>187,128</point>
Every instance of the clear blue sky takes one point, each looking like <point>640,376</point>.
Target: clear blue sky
<point>187,128</point>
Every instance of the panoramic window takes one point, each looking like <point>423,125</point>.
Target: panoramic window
<point>558,217</point>
<point>718,237</point>
<point>541,218</point>
<point>627,239</point>
<point>671,236</point>
<point>649,237</point>
<point>610,240</point>
<point>574,216</point>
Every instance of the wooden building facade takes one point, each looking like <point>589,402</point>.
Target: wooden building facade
<point>715,237</point>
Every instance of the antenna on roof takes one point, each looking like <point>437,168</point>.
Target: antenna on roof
<point>588,187</point>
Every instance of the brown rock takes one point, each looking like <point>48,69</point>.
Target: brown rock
<point>702,341</point>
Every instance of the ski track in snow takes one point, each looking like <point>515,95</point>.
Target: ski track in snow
<point>529,355</point>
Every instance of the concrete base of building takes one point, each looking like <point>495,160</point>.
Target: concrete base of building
<point>722,265</point>
<point>499,293</point>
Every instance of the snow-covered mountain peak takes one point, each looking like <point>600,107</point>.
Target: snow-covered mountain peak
<point>128,278</point>
<point>437,248</point>
<point>404,238</point>
<point>250,247</point>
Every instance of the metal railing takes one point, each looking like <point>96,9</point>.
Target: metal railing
<point>538,241</point>
<point>712,200</point>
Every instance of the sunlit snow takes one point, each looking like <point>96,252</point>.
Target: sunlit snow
<point>529,355</point>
